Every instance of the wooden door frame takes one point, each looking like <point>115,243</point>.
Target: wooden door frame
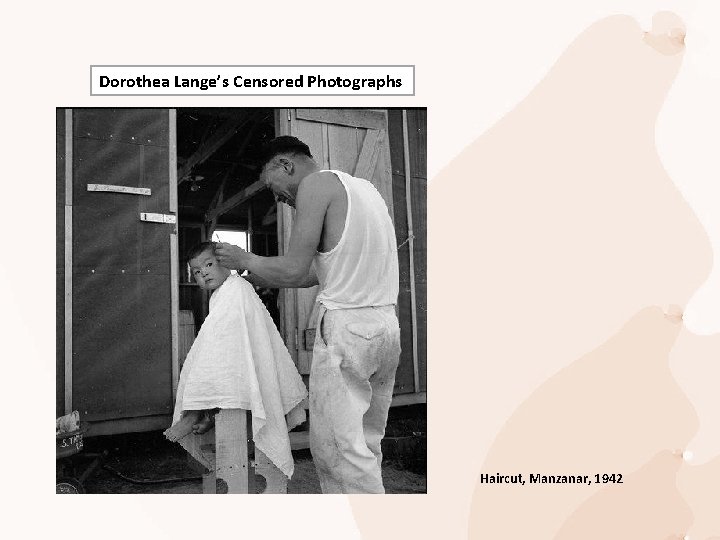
<point>68,259</point>
<point>287,297</point>
<point>174,255</point>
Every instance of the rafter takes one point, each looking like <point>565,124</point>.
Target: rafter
<point>218,197</point>
<point>237,199</point>
<point>211,145</point>
<point>270,216</point>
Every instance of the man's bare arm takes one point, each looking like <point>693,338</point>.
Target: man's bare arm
<point>310,280</point>
<point>292,269</point>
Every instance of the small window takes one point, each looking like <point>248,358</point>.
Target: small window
<point>238,238</point>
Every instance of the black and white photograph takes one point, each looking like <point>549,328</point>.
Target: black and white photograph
<point>241,300</point>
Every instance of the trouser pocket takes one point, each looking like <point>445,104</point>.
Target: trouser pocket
<point>366,330</point>
<point>320,326</point>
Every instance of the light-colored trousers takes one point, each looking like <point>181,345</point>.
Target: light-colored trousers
<point>355,356</point>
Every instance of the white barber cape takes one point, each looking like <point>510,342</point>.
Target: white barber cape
<point>239,361</point>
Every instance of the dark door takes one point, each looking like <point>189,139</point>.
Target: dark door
<point>122,302</point>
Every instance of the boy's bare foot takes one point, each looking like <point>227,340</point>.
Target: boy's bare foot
<point>184,426</point>
<point>206,422</point>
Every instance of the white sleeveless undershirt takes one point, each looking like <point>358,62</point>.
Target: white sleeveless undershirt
<point>362,269</point>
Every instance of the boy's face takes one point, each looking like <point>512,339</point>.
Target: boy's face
<point>207,271</point>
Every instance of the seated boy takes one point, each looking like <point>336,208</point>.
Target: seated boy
<point>237,361</point>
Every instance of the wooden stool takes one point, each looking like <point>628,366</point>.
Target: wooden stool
<point>232,471</point>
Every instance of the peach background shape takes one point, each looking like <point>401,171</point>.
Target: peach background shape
<point>466,54</point>
<point>648,506</point>
<point>564,226</point>
<point>609,412</point>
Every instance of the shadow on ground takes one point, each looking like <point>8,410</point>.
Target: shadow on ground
<point>144,462</point>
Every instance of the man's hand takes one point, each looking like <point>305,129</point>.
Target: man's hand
<point>230,256</point>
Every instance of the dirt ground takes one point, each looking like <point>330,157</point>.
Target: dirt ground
<point>144,462</point>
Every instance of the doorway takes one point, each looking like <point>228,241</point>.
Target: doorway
<point>218,150</point>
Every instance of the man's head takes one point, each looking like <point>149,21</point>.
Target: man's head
<point>204,268</point>
<point>285,162</point>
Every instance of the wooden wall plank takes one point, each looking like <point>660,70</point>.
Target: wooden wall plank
<point>68,261</point>
<point>382,175</point>
<point>343,148</point>
<point>174,254</point>
<point>345,117</point>
<point>411,241</point>
<point>325,164</point>
<point>369,151</point>
<point>315,136</point>
<point>172,161</point>
<point>286,298</point>
<point>404,377</point>
<point>174,314</point>
<point>417,124</point>
<point>60,263</point>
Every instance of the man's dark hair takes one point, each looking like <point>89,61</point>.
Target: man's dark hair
<point>283,145</point>
<point>199,249</point>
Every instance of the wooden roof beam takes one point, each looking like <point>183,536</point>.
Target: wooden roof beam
<point>271,216</point>
<point>236,200</point>
<point>215,112</point>
<point>211,145</point>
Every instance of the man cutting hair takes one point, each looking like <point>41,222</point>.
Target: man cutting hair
<point>342,239</point>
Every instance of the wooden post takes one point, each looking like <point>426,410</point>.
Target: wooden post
<point>411,250</point>
<point>275,480</point>
<point>249,232</point>
<point>231,452</point>
<point>231,472</point>
<point>174,259</point>
<point>68,260</point>
<point>209,483</point>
